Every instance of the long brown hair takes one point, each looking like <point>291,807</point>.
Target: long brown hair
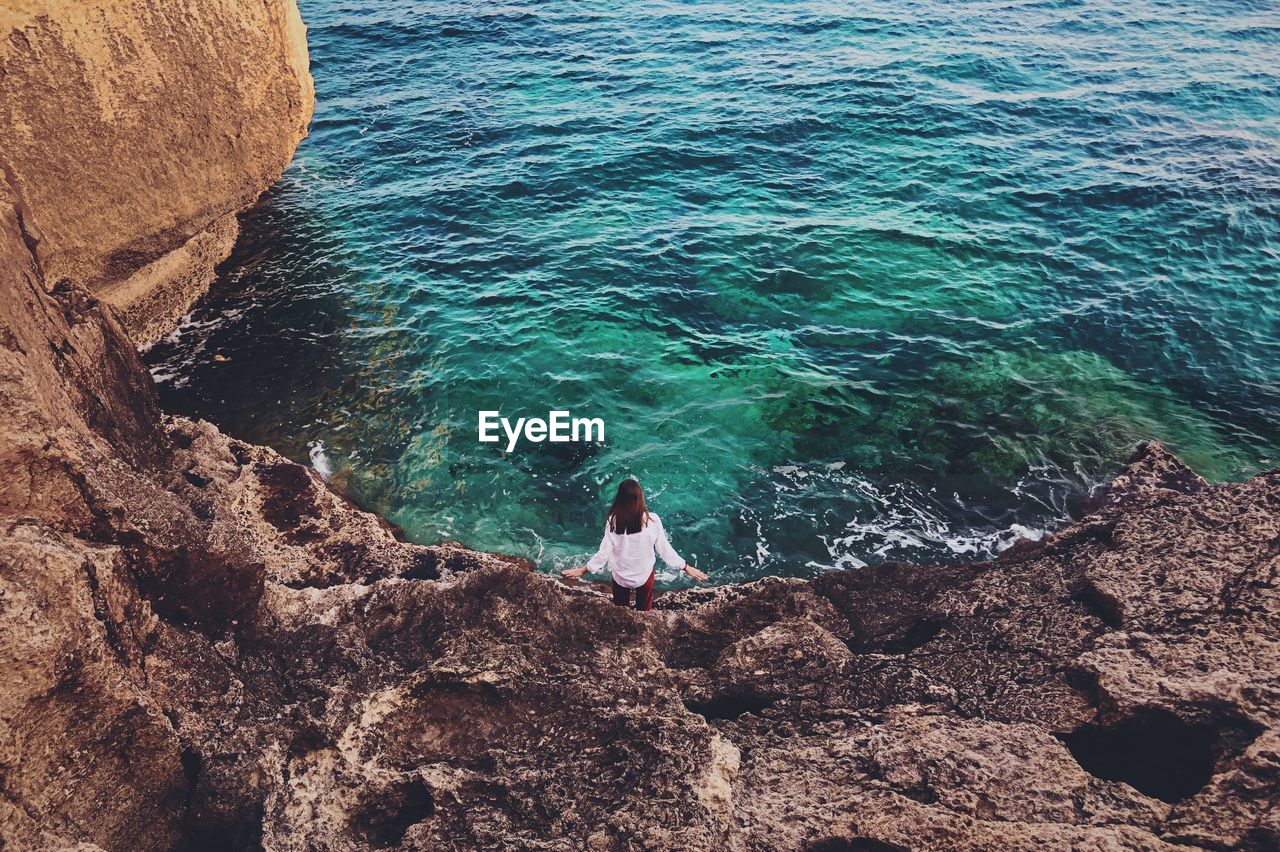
<point>628,514</point>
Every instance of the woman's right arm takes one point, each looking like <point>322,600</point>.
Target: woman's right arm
<point>595,563</point>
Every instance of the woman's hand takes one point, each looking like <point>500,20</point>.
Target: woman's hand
<point>574,572</point>
<point>694,572</point>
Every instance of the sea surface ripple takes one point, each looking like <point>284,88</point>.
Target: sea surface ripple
<point>847,282</point>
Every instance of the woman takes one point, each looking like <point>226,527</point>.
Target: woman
<point>631,535</point>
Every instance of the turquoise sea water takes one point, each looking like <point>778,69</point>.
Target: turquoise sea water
<point>847,282</point>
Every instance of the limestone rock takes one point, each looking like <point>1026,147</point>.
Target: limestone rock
<point>204,646</point>
<point>131,131</point>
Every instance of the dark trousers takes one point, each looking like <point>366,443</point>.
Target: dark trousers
<point>644,594</point>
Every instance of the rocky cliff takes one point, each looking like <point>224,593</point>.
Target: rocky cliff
<point>131,131</point>
<point>204,647</point>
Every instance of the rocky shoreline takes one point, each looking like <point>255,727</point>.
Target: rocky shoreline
<point>207,648</point>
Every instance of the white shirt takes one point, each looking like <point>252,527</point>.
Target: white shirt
<point>631,555</point>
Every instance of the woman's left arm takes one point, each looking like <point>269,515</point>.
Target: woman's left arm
<point>673,559</point>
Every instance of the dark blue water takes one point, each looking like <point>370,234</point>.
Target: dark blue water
<point>847,282</point>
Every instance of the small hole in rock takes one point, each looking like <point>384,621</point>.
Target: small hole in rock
<point>191,763</point>
<point>919,634</point>
<point>854,844</point>
<point>1103,605</point>
<point>426,566</point>
<point>384,819</point>
<point>196,479</point>
<point>728,707</point>
<point>1156,753</point>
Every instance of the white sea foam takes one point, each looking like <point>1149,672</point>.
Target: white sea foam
<point>320,460</point>
<point>192,333</point>
<point>900,520</point>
